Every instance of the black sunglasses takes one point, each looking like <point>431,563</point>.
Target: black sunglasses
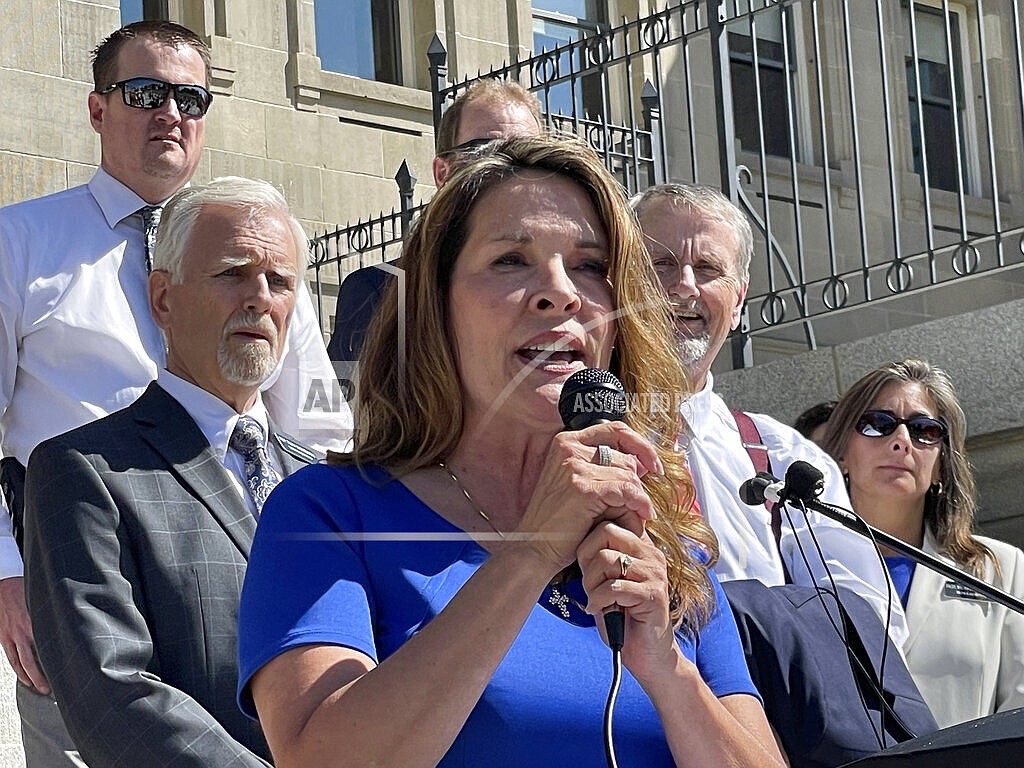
<point>149,93</point>
<point>922,429</point>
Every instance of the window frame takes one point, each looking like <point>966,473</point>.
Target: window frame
<point>800,117</point>
<point>389,67</point>
<point>151,10</point>
<point>963,85</point>
<point>583,26</point>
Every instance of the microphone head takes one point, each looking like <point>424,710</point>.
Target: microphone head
<point>589,397</point>
<point>804,481</point>
<point>752,490</point>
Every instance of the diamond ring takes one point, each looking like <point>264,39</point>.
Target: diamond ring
<point>625,563</point>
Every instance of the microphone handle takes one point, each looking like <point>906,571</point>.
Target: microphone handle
<point>854,523</point>
<point>614,617</point>
<point>615,626</point>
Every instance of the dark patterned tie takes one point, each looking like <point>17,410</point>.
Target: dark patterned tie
<point>150,219</point>
<point>260,477</point>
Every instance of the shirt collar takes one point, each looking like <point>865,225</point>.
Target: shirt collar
<point>697,408</point>
<point>215,418</point>
<point>116,201</point>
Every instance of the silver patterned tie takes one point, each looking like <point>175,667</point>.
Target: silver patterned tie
<point>150,219</point>
<point>248,440</point>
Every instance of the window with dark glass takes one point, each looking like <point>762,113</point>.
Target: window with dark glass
<point>137,10</point>
<point>556,23</point>
<point>768,66</point>
<point>930,79</point>
<point>359,37</point>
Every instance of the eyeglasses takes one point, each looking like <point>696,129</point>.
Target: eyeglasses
<point>922,429</point>
<point>148,93</point>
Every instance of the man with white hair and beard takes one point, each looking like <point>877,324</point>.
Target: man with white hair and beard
<point>139,524</point>
<point>701,246</point>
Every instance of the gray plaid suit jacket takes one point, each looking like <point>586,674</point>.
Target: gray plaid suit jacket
<point>136,544</point>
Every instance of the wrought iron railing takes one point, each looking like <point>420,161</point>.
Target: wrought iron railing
<point>336,254</point>
<point>878,146</point>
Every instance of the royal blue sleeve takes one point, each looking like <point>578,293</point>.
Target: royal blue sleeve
<point>719,653</point>
<point>306,581</point>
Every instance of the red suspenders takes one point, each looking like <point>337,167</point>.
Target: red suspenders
<point>758,453</point>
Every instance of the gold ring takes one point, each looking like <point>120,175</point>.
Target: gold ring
<point>625,563</point>
<point>604,456</point>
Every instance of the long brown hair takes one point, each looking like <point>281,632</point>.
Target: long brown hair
<point>410,405</point>
<point>949,514</point>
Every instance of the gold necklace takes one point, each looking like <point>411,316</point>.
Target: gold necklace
<point>558,598</point>
<point>469,498</point>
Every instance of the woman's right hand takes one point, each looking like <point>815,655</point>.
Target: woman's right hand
<point>575,493</point>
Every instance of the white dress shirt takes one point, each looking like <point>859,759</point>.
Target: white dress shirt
<point>720,464</point>
<point>77,340</point>
<point>216,420</point>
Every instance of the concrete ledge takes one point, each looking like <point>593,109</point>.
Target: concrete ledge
<point>982,351</point>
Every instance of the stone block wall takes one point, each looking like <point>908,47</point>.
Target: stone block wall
<point>333,143</point>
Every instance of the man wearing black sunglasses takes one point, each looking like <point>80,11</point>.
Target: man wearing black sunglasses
<point>489,109</point>
<point>77,341</point>
<point>85,347</point>
<point>151,140</point>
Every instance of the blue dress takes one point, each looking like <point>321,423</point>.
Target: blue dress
<point>341,561</point>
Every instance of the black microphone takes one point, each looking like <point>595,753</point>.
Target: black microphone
<point>590,397</point>
<point>760,488</point>
<point>804,482</point>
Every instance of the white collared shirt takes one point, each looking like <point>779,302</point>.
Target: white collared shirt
<point>216,420</point>
<point>720,464</point>
<point>78,342</point>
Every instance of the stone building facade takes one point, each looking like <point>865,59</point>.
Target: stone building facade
<point>327,98</point>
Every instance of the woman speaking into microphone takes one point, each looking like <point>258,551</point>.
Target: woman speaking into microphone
<point>399,607</point>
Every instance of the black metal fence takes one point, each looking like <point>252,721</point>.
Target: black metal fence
<point>878,145</point>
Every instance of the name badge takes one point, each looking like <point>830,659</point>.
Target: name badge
<point>962,592</point>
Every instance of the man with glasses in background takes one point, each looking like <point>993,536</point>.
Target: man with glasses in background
<point>487,110</point>
<point>77,340</point>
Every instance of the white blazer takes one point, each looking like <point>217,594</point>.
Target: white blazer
<point>966,653</point>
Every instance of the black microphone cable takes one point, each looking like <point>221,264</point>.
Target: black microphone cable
<point>840,633</point>
<point>803,479</point>
<point>807,477</point>
<point>888,623</point>
<point>615,624</point>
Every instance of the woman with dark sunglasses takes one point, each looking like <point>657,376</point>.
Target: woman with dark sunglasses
<point>898,435</point>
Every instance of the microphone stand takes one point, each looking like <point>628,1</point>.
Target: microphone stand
<point>854,523</point>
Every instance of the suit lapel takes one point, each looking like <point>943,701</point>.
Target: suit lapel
<point>168,428</point>
<point>925,593</point>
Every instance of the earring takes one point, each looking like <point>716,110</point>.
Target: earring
<point>935,489</point>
